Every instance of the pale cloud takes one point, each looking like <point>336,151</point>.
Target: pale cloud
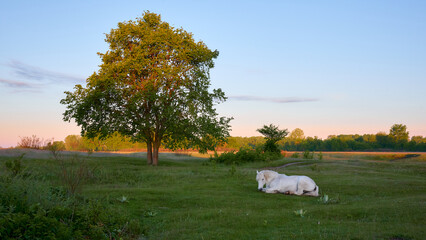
<point>28,78</point>
<point>16,84</point>
<point>272,99</point>
<point>33,73</point>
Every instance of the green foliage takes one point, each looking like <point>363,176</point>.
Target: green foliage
<point>152,86</point>
<point>243,142</point>
<point>73,143</point>
<point>366,142</point>
<point>295,155</point>
<point>297,136</point>
<point>55,146</point>
<point>114,142</point>
<point>399,135</point>
<point>245,155</point>
<point>272,135</point>
<point>397,139</point>
<point>308,155</point>
<point>398,132</point>
<point>272,132</point>
<point>271,147</point>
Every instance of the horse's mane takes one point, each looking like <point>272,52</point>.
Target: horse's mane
<point>269,175</point>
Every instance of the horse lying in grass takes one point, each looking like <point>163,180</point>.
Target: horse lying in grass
<point>281,183</point>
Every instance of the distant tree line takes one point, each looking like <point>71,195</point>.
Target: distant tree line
<point>114,142</point>
<point>396,140</point>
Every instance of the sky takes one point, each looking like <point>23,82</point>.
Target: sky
<point>327,67</point>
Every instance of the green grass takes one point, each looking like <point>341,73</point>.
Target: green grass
<point>185,198</point>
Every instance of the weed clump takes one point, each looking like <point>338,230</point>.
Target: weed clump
<point>15,166</point>
<point>325,199</point>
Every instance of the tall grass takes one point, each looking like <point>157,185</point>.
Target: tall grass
<point>32,207</point>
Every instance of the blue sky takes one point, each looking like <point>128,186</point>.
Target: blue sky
<point>327,67</point>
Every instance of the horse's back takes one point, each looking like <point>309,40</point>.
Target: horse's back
<point>304,180</point>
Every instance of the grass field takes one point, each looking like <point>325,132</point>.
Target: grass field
<point>370,196</point>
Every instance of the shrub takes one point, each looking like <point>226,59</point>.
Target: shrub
<point>55,146</point>
<point>32,142</point>
<point>308,155</point>
<point>248,155</point>
<point>245,155</point>
<point>226,157</point>
<point>271,146</point>
<point>270,156</point>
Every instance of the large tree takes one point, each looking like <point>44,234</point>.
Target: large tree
<point>153,85</point>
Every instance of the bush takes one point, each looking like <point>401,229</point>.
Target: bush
<point>308,155</point>
<point>245,155</point>
<point>32,142</point>
<point>55,146</point>
<point>271,147</point>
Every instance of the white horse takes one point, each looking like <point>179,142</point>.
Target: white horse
<point>281,183</point>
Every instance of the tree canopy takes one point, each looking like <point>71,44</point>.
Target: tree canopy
<point>297,135</point>
<point>153,86</point>
<point>272,135</point>
<point>399,133</point>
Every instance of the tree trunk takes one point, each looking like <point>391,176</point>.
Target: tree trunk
<point>156,150</point>
<point>149,152</point>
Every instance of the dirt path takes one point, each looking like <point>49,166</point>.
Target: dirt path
<point>283,166</point>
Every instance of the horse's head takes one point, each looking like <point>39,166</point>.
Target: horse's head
<point>261,180</point>
<point>265,177</point>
